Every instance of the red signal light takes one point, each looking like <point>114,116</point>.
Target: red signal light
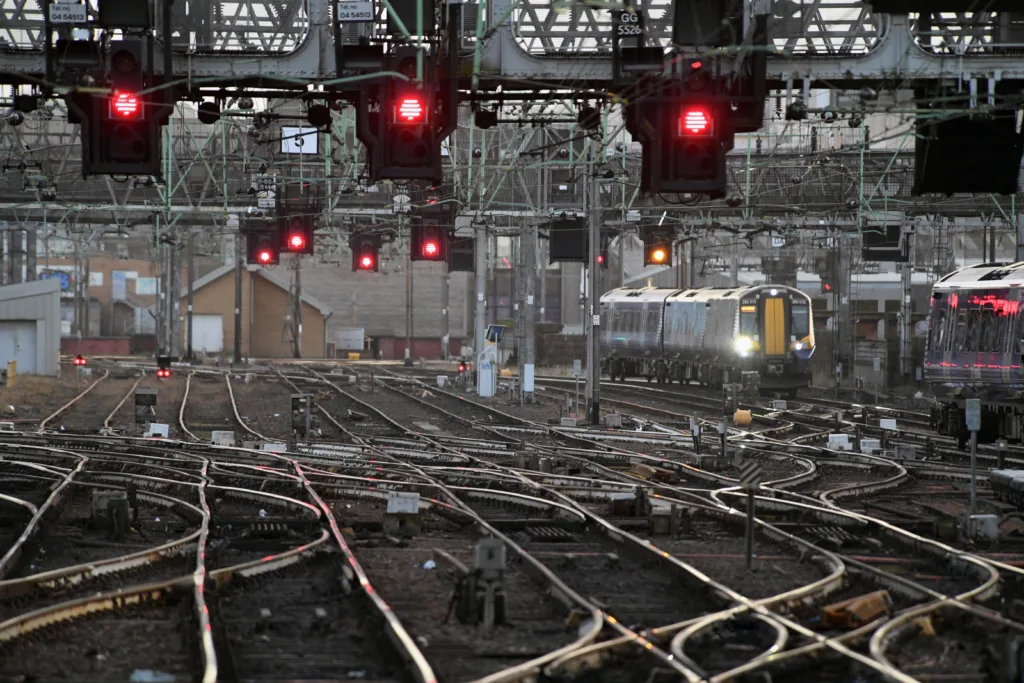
<point>827,287</point>
<point>410,110</point>
<point>695,122</point>
<point>600,258</point>
<point>125,105</point>
<point>163,372</point>
<point>296,241</point>
<point>79,360</point>
<point>265,256</point>
<point>430,249</point>
<point>366,262</point>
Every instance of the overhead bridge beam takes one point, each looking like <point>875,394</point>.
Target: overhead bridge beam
<point>896,57</point>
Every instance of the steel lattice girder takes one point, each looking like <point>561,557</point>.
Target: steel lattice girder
<point>833,41</point>
<point>210,169</point>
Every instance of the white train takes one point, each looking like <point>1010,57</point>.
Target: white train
<point>694,335</point>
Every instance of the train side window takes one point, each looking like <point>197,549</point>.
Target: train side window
<point>935,341</point>
<point>989,330</point>
<point>960,335</point>
<point>973,335</point>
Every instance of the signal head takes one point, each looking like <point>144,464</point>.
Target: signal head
<point>124,61</point>
<point>79,360</point>
<point>125,105</point>
<point>695,122</point>
<point>410,109</point>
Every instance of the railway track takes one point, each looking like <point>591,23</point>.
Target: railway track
<point>297,539</point>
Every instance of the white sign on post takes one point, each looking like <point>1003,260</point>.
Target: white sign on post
<point>67,13</point>
<point>402,503</point>
<point>972,414</point>
<point>355,11</point>
<point>577,368</point>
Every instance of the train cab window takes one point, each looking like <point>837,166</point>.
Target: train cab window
<point>800,325</point>
<point>748,320</point>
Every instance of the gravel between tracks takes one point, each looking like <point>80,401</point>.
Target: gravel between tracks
<point>168,402</point>
<point>109,646</point>
<point>298,624</point>
<point>265,404</point>
<point>209,407</point>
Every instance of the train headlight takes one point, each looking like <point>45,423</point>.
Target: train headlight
<point>798,346</point>
<point>744,345</point>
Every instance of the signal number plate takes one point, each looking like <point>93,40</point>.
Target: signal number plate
<point>67,13</point>
<point>355,11</point>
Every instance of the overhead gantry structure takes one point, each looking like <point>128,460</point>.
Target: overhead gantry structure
<point>820,43</point>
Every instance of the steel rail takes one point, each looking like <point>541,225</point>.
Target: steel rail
<point>209,653</point>
<point>14,552</point>
<point>988,588</point>
<point>87,571</point>
<point>893,629</point>
<point>42,425</point>
<point>18,501</point>
<point>106,421</point>
<point>23,624</point>
<point>740,602</point>
<point>687,671</point>
<point>181,410</point>
<point>238,418</point>
<point>792,480</point>
<point>272,498</point>
<point>401,639</point>
<point>557,588</point>
<point>223,576</point>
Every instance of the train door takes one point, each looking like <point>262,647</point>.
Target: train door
<point>775,325</point>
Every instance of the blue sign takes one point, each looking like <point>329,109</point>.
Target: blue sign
<point>62,276</point>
